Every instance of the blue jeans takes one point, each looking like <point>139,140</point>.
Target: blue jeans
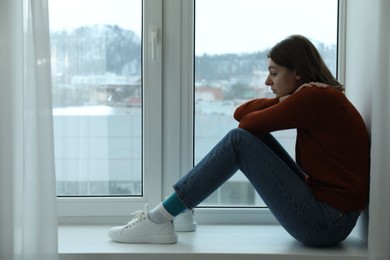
<point>277,179</point>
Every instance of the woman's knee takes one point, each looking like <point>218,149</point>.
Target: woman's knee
<point>242,133</point>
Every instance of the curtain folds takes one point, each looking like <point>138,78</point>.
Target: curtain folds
<point>28,222</point>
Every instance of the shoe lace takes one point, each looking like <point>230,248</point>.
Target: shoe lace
<point>138,216</point>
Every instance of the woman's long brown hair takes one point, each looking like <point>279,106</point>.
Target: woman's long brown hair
<point>298,53</point>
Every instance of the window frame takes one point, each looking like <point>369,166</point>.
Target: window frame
<point>168,122</point>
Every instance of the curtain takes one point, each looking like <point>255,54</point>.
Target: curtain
<point>379,216</point>
<point>28,218</point>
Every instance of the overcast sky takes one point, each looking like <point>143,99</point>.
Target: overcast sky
<point>222,26</point>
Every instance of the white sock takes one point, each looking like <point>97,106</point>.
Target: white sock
<point>160,215</point>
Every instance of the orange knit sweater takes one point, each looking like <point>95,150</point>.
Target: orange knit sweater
<point>332,144</point>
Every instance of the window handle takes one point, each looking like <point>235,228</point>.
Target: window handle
<point>154,41</point>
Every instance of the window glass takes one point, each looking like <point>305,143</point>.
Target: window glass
<point>97,96</point>
<point>232,39</point>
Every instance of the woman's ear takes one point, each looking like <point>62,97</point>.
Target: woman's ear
<point>298,77</point>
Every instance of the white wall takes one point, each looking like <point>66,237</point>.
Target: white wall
<point>358,80</point>
<point>358,77</point>
<point>367,81</point>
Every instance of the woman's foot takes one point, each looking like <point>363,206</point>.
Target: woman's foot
<point>142,230</point>
<point>185,222</point>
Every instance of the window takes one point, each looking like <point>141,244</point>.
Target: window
<point>106,71</point>
<point>232,39</point>
<point>97,96</point>
<point>124,134</point>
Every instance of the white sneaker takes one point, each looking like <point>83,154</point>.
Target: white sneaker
<point>185,222</point>
<point>142,230</point>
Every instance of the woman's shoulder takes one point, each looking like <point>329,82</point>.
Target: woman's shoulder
<point>321,92</point>
<point>319,98</point>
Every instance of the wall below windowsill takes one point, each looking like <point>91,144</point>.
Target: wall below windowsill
<point>87,242</point>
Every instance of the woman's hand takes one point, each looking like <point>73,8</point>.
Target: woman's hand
<point>281,99</point>
<point>312,84</point>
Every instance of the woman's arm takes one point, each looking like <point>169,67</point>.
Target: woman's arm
<point>254,105</point>
<point>250,112</point>
<point>299,110</point>
<point>311,84</point>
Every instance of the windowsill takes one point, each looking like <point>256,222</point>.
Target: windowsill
<point>208,242</point>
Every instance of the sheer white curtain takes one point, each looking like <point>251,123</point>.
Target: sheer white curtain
<point>28,225</point>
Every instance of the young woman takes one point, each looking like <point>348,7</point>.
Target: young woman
<point>318,197</point>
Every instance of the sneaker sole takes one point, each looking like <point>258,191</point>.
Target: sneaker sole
<point>169,239</point>
<point>185,227</point>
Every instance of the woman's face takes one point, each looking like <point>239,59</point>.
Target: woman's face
<point>281,80</point>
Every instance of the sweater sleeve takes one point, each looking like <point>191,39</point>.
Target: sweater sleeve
<point>254,105</point>
<point>300,110</point>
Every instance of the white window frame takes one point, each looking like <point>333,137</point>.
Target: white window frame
<point>168,122</point>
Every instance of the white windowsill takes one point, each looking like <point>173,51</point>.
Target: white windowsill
<point>215,242</point>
